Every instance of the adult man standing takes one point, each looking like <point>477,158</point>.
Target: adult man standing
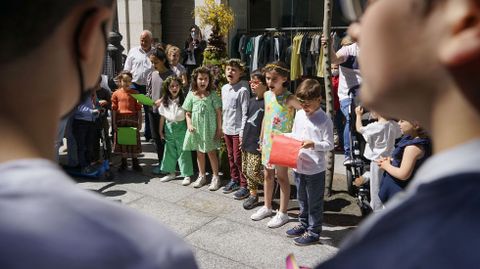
<point>47,221</point>
<point>139,65</point>
<point>420,61</point>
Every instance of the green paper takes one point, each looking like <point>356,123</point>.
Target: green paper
<point>127,135</point>
<point>143,99</point>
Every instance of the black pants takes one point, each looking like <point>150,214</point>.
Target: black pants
<point>84,132</point>
<point>154,119</point>
<point>147,133</point>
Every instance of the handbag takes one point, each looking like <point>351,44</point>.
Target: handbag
<point>285,151</point>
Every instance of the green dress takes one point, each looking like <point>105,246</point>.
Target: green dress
<point>278,118</point>
<point>204,120</point>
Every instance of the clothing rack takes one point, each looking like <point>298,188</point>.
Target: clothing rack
<point>287,29</point>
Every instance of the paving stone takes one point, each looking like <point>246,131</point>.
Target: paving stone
<point>207,259</point>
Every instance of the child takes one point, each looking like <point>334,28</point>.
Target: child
<point>204,121</point>
<point>251,158</point>
<point>173,55</point>
<point>410,152</point>
<point>315,129</point>
<point>126,112</point>
<point>172,130</point>
<point>380,137</point>
<point>280,107</point>
<point>84,131</point>
<point>104,99</point>
<point>154,90</point>
<point>235,96</point>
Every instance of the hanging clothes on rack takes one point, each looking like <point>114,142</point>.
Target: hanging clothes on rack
<point>296,70</point>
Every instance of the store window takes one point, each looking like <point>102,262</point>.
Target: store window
<point>290,13</point>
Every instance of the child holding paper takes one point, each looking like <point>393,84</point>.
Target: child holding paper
<point>280,107</point>
<point>315,129</point>
<point>126,112</point>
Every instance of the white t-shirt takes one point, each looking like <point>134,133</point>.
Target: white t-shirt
<point>174,112</point>
<point>49,222</point>
<point>349,70</point>
<point>380,138</point>
<point>178,69</point>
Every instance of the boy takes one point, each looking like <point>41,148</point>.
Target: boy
<point>434,224</point>
<point>380,139</point>
<point>48,221</point>
<point>252,166</point>
<point>173,55</point>
<point>235,97</point>
<point>315,129</point>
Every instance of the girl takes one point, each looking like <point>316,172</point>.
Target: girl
<point>251,158</point>
<point>280,107</point>
<point>410,152</point>
<point>126,112</point>
<point>154,91</point>
<point>172,120</point>
<point>173,54</point>
<point>204,123</point>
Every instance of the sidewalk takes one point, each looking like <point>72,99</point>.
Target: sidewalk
<point>218,228</point>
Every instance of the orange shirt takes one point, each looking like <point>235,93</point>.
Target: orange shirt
<point>124,103</point>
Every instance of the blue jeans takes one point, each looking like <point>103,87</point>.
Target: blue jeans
<point>310,191</point>
<point>345,107</point>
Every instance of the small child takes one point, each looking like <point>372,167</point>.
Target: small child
<point>252,166</point>
<point>280,107</point>
<point>204,123</point>
<point>315,129</point>
<point>235,97</point>
<point>172,130</point>
<point>84,131</point>
<point>126,112</point>
<point>380,137</point>
<point>410,152</point>
<point>173,55</point>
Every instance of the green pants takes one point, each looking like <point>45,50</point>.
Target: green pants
<point>174,136</point>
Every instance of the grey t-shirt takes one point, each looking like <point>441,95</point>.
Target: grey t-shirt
<point>48,222</point>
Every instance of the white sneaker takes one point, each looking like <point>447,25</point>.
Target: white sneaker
<point>261,213</point>
<point>186,181</point>
<point>215,184</point>
<point>201,180</point>
<point>167,178</point>
<point>279,220</point>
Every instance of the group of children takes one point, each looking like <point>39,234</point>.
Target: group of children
<point>197,121</point>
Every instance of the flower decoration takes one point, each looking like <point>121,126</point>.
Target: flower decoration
<point>219,16</point>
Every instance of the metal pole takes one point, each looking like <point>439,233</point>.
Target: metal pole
<point>327,19</point>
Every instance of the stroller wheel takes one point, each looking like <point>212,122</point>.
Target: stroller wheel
<point>365,208</point>
<point>350,179</point>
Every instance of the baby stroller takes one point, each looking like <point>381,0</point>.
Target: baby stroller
<point>101,169</point>
<point>357,165</point>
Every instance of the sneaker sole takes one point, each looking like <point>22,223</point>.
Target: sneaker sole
<point>230,191</point>
<point>278,226</point>
<point>257,219</point>
<point>293,236</point>
<point>240,198</point>
<point>307,244</point>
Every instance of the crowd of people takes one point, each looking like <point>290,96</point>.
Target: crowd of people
<point>45,215</point>
<point>188,118</point>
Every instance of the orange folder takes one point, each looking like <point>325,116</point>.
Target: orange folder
<point>285,151</point>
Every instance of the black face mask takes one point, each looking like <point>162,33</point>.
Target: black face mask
<point>83,93</point>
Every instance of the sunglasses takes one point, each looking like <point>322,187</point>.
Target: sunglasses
<point>353,9</point>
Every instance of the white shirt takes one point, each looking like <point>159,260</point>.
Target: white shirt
<point>172,113</point>
<point>318,128</point>
<point>349,70</point>
<point>380,138</point>
<point>49,222</point>
<point>178,69</point>
<point>139,65</point>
